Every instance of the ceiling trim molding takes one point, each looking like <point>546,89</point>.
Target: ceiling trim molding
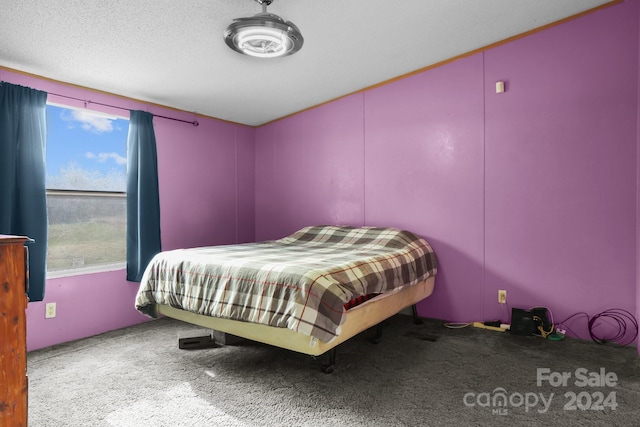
<point>115,95</point>
<point>455,58</point>
<point>362,90</point>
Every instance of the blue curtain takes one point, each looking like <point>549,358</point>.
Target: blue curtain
<point>23,198</point>
<point>143,199</point>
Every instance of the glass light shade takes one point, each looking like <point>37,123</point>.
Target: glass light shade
<point>265,36</point>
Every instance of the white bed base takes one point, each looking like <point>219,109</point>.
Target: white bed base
<point>359,318</point>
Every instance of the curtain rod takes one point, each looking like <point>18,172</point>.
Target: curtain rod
<point>194,123</point>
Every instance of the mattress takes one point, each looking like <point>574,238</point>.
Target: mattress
<point>300,282</point>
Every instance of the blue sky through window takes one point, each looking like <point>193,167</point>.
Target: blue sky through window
<point>85,150</point>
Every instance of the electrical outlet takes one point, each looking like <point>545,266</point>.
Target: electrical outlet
<point>502,296</point>
<point>50,310</point>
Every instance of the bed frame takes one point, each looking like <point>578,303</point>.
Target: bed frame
<point>358,319</point>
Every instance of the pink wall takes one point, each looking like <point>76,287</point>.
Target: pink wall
<point>311,170</point>
<point>206,179</point>
<point>638,187</point>
<point>561,166</point>
<point>515,191</point>
<point>532,190</point>
<point>424,172</point>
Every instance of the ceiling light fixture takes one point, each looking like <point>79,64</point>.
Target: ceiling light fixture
<point>264,35</point>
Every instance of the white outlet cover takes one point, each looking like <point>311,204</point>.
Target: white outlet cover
<point>50,310</point>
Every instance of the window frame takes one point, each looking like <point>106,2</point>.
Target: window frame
<point>88,193</point>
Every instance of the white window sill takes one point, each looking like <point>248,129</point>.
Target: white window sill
<point>85,270</point>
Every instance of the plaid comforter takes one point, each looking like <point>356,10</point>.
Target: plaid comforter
<point>300,282</point>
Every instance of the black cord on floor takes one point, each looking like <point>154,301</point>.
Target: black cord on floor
<point>625,321</point>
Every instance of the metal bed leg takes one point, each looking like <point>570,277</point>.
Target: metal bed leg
<point>378,336</point>
<point>327,369</point>
<point>416,319</point>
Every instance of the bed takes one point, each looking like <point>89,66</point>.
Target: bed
<point>301,292</point>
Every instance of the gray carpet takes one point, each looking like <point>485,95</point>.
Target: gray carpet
<point>424,375</point>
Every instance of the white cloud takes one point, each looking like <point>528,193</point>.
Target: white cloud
<point>91,122</point>
<point>103,157</point>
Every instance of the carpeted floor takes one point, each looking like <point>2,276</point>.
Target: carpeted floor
<point>418,375</point>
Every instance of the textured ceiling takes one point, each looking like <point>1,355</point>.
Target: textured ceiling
<point>172,52</point>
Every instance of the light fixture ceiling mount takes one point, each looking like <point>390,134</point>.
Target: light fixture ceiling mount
<point>264,35</point>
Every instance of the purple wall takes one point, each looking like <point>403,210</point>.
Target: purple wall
<point>561,167</point>
<point>638,186</point>
<point>532,190</point>
<point>424,171</point>
<point>206,179</point>
<point>311,170</point>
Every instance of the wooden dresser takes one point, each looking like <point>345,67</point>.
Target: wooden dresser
<point>13,331</point>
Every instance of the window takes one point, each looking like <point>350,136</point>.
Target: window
<point>86,190</point>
